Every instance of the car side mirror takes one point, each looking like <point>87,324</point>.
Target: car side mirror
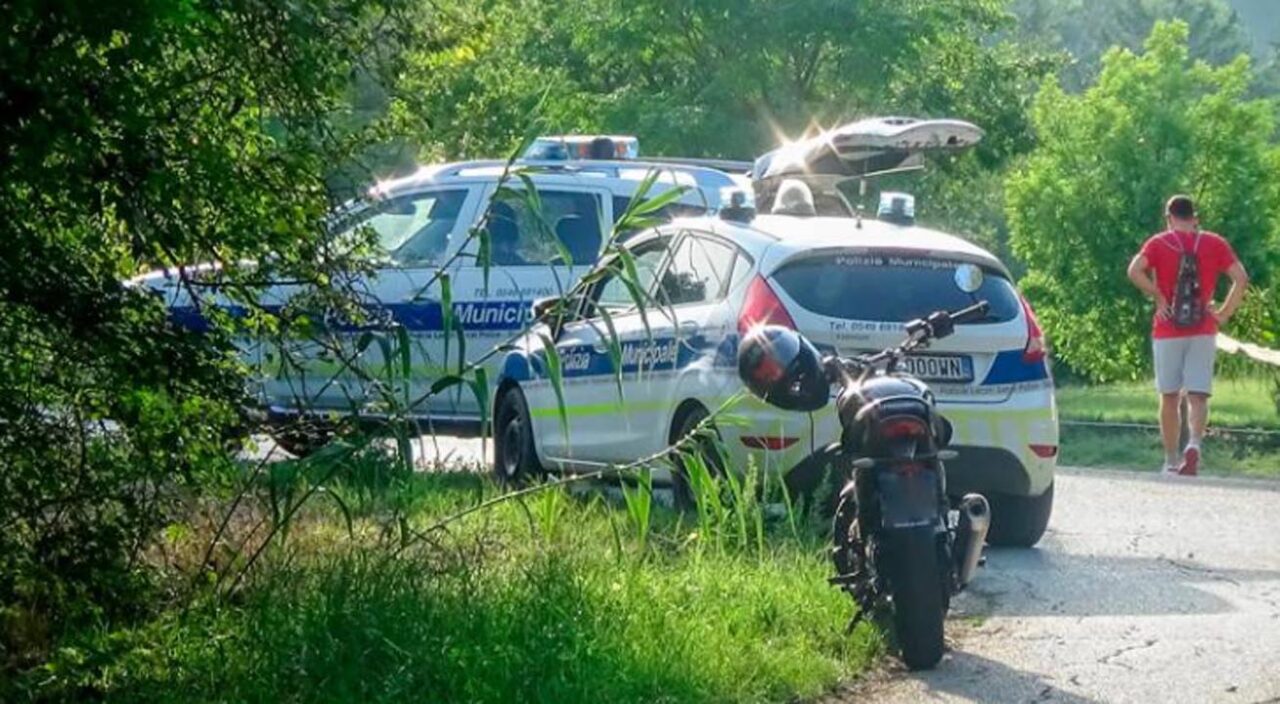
<point>554,311</point>
<point>544,306</point>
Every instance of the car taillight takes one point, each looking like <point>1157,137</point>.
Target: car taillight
<point>904,427</point>
<point>1044,451</point>
<point>1036,349</point>
<point>762,307</point>
<point>768,442</point>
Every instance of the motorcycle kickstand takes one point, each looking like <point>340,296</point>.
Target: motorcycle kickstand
<point>853,622</point>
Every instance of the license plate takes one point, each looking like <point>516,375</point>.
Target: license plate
<point>930,367</point>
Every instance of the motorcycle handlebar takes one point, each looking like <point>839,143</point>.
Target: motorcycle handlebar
<point>939,325</point>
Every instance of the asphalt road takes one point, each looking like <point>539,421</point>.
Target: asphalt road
<point>1145,589</point>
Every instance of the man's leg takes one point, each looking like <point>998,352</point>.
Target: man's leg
<point>1169,355</point>
<point>1198,377</point>
<point>1198,405</point>
<point>1170,427</point>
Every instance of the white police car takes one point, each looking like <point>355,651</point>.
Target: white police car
<point>421,222</point>
<point>848,285</point>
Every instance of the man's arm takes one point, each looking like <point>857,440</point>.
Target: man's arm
<point>1140,275</point>
<point>1239,284</point>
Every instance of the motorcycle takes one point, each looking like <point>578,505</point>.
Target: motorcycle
<point>901,547</point>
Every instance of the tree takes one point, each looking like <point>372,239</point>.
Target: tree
<point>139,135</point>
<point>711,78</point>
<point>1155,124</point>
<point>1087,29</point>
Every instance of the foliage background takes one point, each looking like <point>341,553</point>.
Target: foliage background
<point>145,134</point>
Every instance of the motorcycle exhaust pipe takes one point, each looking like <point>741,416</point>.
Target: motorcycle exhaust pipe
<point>975,520</point>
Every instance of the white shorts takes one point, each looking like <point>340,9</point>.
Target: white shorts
<point>1185,364</point>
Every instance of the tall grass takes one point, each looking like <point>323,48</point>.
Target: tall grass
<point>556,597</point>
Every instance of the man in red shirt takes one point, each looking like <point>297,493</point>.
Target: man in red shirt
<point>1180,268</point>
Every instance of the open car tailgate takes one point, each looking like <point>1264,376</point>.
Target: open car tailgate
<point>864,147</point>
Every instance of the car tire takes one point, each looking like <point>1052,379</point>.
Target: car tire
<point>1019,521</point>
<point>515,460</point>
<point>682,492</point>
<point>303,436</point>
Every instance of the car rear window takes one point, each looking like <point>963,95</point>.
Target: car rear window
<point>891,288</point>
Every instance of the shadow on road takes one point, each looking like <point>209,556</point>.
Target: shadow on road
<point>1035,582</point>
<point>975,678</point>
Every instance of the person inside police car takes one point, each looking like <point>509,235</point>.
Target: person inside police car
<point>1179,269</point>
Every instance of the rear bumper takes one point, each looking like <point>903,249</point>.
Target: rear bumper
<point>988,470</point>
<point>1009,448</point>
<point>1001,447</point>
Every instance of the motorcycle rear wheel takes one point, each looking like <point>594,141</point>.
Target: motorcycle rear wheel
<point>917,585</point>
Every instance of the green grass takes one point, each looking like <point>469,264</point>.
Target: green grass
<point>556,598</point>
<point>1237,403</point>
<point>1141,450</point>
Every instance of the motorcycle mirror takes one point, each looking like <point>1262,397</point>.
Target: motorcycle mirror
<point>782,368</point>
<point>968,278</point>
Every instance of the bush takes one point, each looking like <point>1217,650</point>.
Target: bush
<point>1093,190</point>
<point>140,135</point>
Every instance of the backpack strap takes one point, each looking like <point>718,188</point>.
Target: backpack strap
<point>1195,246</point>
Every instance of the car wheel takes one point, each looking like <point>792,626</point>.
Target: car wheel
<point>514,459</point>
<point>303,436</point>
<point>682,491</point>
<point>1019,521</point>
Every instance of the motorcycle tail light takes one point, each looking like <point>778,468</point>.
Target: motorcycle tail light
<point>1036,349</point>
<point>762,307</point>
<point>904,427</point>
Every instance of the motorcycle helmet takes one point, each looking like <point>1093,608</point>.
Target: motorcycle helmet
<point>782,368</point>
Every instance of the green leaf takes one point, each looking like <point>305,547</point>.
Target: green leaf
<point>630,278</point>
<point>484,254</point>
<point>480,389</point>
<point>445,382</point>
<point>406,364</point>
<point>342,508</point>
<point>658,202</point>
<point>446,312</point>
<point>615,351</point>
<point>556,375</point>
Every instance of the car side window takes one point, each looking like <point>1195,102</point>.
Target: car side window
<point>413,230</point>
<point>520,237</point>
<point>664,214</point>
<point>616,295</point>
<point>698,273</point>
<point>742,268</point>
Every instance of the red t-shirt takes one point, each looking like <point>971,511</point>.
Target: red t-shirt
<point>1163,252</point>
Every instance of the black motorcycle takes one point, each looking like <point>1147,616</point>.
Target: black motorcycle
<point>901,547</point>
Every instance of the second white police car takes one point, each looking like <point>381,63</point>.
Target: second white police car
<point>847,285</point>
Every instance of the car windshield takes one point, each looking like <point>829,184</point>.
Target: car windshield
<point>413,230</point>
<point>890,288</point>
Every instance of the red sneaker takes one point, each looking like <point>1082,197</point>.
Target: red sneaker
<point>1190,462</point>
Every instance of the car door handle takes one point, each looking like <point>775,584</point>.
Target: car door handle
<point>689,328</point>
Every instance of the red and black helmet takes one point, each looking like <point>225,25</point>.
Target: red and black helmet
<point>782,368</point>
